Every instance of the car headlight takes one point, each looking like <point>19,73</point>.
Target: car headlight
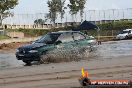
<point>17,50</point>
<point>33,51</point>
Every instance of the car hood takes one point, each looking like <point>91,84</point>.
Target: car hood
<point>33,46</point>
<point>122,34</point>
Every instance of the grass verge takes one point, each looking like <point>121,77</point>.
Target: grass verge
<point>3,37</point>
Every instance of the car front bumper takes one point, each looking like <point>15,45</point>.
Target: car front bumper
<point>29,56</point>
<point>120,37</point>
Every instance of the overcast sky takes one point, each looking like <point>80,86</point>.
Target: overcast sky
<point>29,10</point>
<point>40,6</point>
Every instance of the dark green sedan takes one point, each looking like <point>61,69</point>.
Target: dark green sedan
<point>52,41</point>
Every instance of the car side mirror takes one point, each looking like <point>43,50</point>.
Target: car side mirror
<point>58,42</point>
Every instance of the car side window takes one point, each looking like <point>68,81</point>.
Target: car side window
<point>66,37</point>
<point>78,36</point>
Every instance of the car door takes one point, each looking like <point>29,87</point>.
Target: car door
<point>67,42</point>
<point>80,41</point>
<point>49,41</point>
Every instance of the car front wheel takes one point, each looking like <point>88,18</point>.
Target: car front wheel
<point>126,37</point>
<point>27,63</point>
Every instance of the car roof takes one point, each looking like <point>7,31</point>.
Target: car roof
<point>66,32</point>
<point>127,30</point>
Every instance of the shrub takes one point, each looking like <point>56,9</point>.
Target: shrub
<point>106,29</point>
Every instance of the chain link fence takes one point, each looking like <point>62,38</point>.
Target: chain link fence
<point>39,21</point>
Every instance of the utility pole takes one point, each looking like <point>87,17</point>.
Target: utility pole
<point>100,19</point>
<point>113,10</point>
<point>65,8</point>
<point>104,16</point>
<point>94,16</point>
<point>85,15</point>
<point>123,14</point>
<point>90,15</point>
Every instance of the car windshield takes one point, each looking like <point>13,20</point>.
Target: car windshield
<point>123,32</point>
<point>49,38</point>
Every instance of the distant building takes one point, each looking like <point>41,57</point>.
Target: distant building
<point>1,31</point>
<point>124,19</point>
<point>57,25</point>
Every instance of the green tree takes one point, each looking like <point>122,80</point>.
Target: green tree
<point>81,4</point>
<point>39,22</point>
<point>53,9</point>
<point>5,7</point>
<point>61,8</point>
<point>74,7</point>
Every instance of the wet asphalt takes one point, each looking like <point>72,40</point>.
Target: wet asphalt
<point>106,50</point>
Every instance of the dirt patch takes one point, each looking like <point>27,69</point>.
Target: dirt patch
<point>13,45</point>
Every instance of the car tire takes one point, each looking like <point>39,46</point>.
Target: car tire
<point>27,63</point>
<point>126,37</point>
<point>44,58</point>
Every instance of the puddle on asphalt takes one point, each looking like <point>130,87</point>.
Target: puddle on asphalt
<point>8,60</point>
<point>115,49</point>
<point>106,50</point>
